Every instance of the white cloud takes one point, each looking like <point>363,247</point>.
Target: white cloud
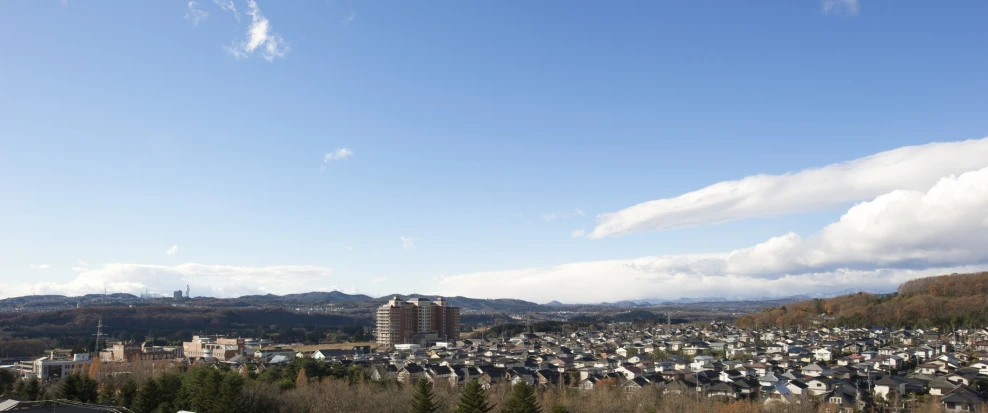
<point>875,245</point>
<point>82,263</point>
<point>195,14</point>
<point>260,36</point>
<point>39,266</point>
<point>558,214</point>
<point>847,7</point>
<point>832,186</point>
<point>577,233</point>
<point>80,269</point>
<point>227,5</point>
<point>337,155</point>
<point>348,248</point>
<point>172,250</point>
<point>407,243</point>
<point>205,280</point>
<point>350,18</point>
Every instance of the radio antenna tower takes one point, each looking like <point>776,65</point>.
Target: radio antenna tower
<point>99,334</point>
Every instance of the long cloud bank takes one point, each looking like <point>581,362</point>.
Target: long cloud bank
<point>875,245</point>
<point>204,280</point>
<point>835,185</point>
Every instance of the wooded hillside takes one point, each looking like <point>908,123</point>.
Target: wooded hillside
<point>946,301</point>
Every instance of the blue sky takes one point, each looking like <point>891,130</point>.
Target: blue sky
<point>485,133</point>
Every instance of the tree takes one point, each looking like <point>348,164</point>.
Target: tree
<point>521,400</point>
<point>559,408</point>
<point>107,392</point>
<point>301,380</point>
<point>228,396</point>
<point>128,392</point>
<point>88,389</point>
<point>7,380</point>
<point>148,397</point>
<point>20,389</point>
<point>169,387</point>
<point>68,389</point>
<point>33,389</point>
<point>423,398</point>
<point>473,399</point>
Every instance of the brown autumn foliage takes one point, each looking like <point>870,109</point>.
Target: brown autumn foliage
<point>946,301</point>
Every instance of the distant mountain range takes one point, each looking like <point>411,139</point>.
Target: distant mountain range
<point>466,303</point>
<point>696,300</point>
<point>314,296</point>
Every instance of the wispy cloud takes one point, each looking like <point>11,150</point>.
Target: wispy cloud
<point>350,18</point>
<point>845,7</point>
<point>260,36</point>
<point>560,214</point>
<point>227,5</point>
<point>877,244</point>
<point>342,153</point>
<point>194,14</point>
<point>39,266</point>
<point>337,155</point>
<point>348,248</point>
<point>172,250</point>
<point>407,243</point>
<point>82,263</point>
<point>577,233</point>
<point>80,269</point>
<point>832,186</point>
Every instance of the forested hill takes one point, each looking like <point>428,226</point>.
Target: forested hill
<point>947,301</point>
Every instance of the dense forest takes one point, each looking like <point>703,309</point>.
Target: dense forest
<point>28,334</point>
<point>946,301</point>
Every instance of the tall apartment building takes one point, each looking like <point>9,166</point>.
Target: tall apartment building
<point>416,321</point>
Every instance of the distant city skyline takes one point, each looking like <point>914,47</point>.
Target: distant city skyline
<point>548,151</point>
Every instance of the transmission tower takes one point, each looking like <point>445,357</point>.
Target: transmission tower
<point>99,334</point>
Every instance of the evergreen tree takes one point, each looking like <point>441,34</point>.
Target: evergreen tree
<point>423,398</point>
<point>148,397</point>
<point>127,394</point>
<point>473,399</point>
<point>170,385</point>
<point>521,400</point>
<point>88,389</point>
<point>229,397</point>
<point>107,392</point>
<point>32,390</point>
<point>68,389</point>
<point>20,389</point>
<point>199,389</point>
<point>7,380</point>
